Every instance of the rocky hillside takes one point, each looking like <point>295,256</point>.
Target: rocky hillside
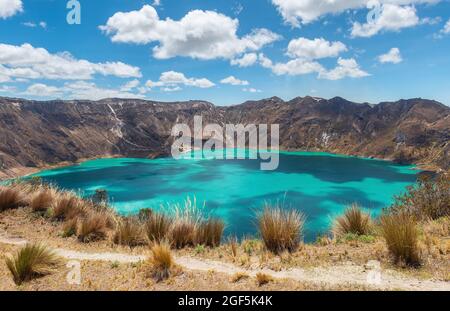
<point>35,134</point>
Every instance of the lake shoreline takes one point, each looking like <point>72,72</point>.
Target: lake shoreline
<point>22,172</point>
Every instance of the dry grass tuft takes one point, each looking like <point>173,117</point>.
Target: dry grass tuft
<point>209,232</point>
<point>280,229</point>
<point>32,261</point>
<point>354,221</point>
<point>157,227</point>
<point>129,232</point>
<point>43,199</point>
<point>10,198</point>
<point>67,206</point>
<point>161,261</point>
<point>401,235</point>
<point>239,276</point>
<point>70,228</point>
<point>186,220</point>
<point>183,233</point>
<point>262,279</point>
<point>92,228</point>
<point>234,245</point>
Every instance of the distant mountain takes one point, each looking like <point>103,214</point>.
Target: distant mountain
<point>35,134</point>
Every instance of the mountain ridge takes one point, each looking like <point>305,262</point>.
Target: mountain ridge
<point>35,134</point>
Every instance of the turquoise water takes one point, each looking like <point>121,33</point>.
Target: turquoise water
<point>318,184</point>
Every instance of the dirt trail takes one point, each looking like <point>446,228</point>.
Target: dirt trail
<point>346,273</point>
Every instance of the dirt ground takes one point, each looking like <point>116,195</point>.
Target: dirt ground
<point>326,265</point>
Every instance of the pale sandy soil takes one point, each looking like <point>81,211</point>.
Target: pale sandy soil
<point>110,267</point>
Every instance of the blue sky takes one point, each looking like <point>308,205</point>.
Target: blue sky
<point>226,51</point>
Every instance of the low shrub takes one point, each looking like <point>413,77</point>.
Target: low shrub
<point>429,198</point>
<point>354,221</point>
<point>31,261</point>
<point>280,229</point>
<point>401,235</point>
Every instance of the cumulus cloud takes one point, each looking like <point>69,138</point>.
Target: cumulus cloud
<point>130,85</point>
<point>304,54</point>
<point>446,29</point>
<point>77,90</point>
<point>43,90</point>
<point>7,89</point>
<point>314,49</point>
<point>172,80</point>
<point>293,67</point>
<point>345,68</point>
<point>392,18</point>
<point>10,8</point>
<point>89,90</point>
<point>246,60</point>
<point>234,81</point>
<point>297,12</point>
<point>393,56</point>
<point>26,61</point>
<point>199,34</point>
<point>431,20</point>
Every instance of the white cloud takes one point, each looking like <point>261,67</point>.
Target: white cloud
<point>10,8</point>
<point>431,20</point>
<point>304,62</point>
<point>246,60</point>
<point>293,67</point>
<point>346,68</point>
<point>297,12</point>
<point>89,90</point>
<point>171,89</point>
<point>77,90</point>
<point>26,61</point>
<point>41,24</point>
<point>393,56</point>
<point>314,49</point>
<point>156,2</point>
<point>130,85</point>
<point>43,90</point>
<point>199,34</point>
<point>392,18</point>
<point>7,89</point>
<point>446,29</point>
<point>234,81</point>
<point>29,24</point>
<point>172,79</point>
<point>251,90</point>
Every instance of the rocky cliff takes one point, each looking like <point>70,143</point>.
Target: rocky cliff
<point>36,134</point>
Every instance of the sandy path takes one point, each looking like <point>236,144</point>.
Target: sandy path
<point>347,273</point>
